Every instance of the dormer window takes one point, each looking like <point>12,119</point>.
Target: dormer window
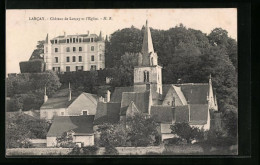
<point>92,39</point>
<point>55,41</point>
<point>84,112</point>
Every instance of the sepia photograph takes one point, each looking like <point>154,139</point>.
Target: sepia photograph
<point>108,82</point>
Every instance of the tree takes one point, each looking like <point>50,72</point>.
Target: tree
<point>38,51</point>
<point>21,127</point>
<point>185,131</point>
<point>66,140</point>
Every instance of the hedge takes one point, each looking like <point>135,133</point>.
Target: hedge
<point>34,66</point>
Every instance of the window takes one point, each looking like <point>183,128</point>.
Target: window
<point>80,49</point>
<point>68,40</point>
<point>56,49</point>
<point>68,59</point>
<point>84,112</point>
<point>152,61</point>
<point>73,40</point>
<point>74,49</point>
<point>146,76</point>
<point>92,48</point>
<point>79,68</point>
<point>92,39</point>
<point>57,69</point>
<point>80,58</point>
<point>73,59</point>
<point>68,49</point>
<point>79,39</point>
<point>92,58</point>
<point>93,67</point>
<point>67,69</point>
<point>56,60</point>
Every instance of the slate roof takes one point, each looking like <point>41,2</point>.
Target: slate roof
<point>77,35</point>
<point>57,102</point>
<point>117,94</point>
<point>81,125</point>
<point>162,114</point>
<point>198,114</point>
<point>141,100</point>
<point>181,114</point>
<point>180,94</point>
<point>123,110</point>
<point>107,113</point>
<point>196,93</point>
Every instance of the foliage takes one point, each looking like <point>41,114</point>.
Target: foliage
<point>27,89</point>
<point>76,150</point>
<point>174,140</point>
<point>34,66</point>
<point>38,51</point>
<point>90,150</point>
<point>185,131</point>
<point>110,150</point>
<point>65,140</point>
<point>137,131</point>
<point>112,134</point>
<point>21,127</point>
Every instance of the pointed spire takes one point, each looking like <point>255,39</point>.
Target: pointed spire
<point>100,35</point>
<point>147,41</point>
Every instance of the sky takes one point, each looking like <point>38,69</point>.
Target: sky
<point>23,30</point>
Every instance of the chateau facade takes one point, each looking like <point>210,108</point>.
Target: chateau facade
<point>80,52</point>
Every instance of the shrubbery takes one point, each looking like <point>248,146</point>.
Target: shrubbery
<point>34,66</point>
<point>89,150</point>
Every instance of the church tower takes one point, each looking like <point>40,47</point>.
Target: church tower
<point>148,74</point>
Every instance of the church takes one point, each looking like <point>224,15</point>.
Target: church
<point>168,103</point>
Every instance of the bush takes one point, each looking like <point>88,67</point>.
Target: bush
<point>174,140</point>
<point>34,66</point>
<point>90,150</point>
<point>111,150</point>
<point>75,150</point>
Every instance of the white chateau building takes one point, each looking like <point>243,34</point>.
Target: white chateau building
<point>80,52</point>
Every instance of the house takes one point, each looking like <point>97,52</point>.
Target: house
<point>67,105</point>
<point>78,52</point>
<point>81,128</point>
<point>168,103</point>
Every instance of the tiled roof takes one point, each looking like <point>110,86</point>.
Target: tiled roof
<point>107,113</point>
<point>117,94</point>
<point>57,102</point>
<point>180,94</point>
<point>198,113</point>
<point>195,93</point>
<point>131,107</point>
<point>141,100</point>
<point>162,114</point>
<point>181,114</point>
<point>92,97</point>
<point>81,125</point>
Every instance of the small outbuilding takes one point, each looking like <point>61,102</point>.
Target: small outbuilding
<point>81,128</point>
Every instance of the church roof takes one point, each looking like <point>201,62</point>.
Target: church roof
<point>117,94</point>
<point>181,114</point>
<point>107,113</point>
<point>147,41</point>
<point>162,114</point>
<point>195,93</point>
<point>141,100</point>
<point>81,125</point>
<point>198,114</point>
<point>131,107</point>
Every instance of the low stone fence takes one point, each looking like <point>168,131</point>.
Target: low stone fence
<point>37,151</point>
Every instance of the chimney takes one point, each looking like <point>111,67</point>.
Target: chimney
<point>173,102</point>
<point>45,95</point>
<point>69,93</point>
<point>108,95</point>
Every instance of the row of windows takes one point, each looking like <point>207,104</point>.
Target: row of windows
<point>77,68</point>
<point>74,49</point>
<point>80,58</point>
<point>74,40</point>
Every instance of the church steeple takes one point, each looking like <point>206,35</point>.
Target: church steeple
<point>147,41</point>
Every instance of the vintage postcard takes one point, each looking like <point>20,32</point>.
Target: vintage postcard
<point>121,82</point>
